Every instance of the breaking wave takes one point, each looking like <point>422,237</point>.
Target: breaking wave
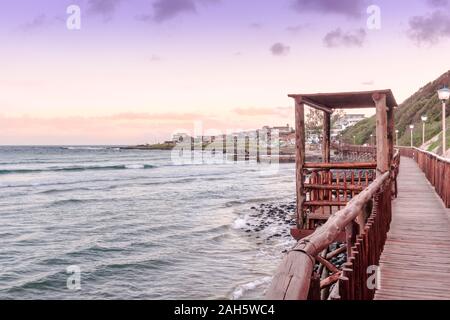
<point>78,168</point>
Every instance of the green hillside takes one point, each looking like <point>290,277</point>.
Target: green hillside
<point>423,102</point>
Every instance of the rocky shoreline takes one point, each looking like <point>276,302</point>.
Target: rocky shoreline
<point>269,221</point>
<point>267,214</point>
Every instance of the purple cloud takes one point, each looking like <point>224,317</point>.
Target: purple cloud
<point>37,23</point>
<point>164,10</point>
<point>106,8</point>
<point>348,8</point>
<point>296,29</point>
<point>256,25</point>
<point>338,38</point>
<point>168,9</point>
<point>279,49</point>
<point>429,28</point>
<point>437,3</point>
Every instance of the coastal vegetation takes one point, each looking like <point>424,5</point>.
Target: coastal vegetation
<point>157,146</point>
<point>424,102</point>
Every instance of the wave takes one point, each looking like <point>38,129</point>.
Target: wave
<point>242,289</point>
<point>240,223</point>
<point>52,191</point>
<point>85,148</point>
<point>70,201</point>
<point>77,168</point>
<point>233,203</point>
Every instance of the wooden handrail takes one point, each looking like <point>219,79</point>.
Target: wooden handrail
<point>293,277</point>
<point>436,169</point>
<point>339,165</point>
<point>438,157</point>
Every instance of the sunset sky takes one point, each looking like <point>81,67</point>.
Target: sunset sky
<point>140,70</point>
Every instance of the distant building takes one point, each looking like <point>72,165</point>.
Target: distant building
<point>180,137</point>
<point>287,139</point>
<point>348,120</point>
<point>281,130</point>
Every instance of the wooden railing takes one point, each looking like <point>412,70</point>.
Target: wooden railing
<point>406,152</point>
<point>329,187</point>
<point>355,152</point>
<point>436,169</point>
<point>310,270</point>
<point>333,261</point>
<point>357,148</point>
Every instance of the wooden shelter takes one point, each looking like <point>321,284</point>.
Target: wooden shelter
<point>324,188</point>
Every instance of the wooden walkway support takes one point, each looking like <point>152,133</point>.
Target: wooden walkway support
<point>415,263</point>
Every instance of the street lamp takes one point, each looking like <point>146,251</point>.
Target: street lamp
<point>354,140</point>
<point>412,129</point>
<point>396,136</point>
<point>424,119</point>
<point>371,139</point>
<point>444,95</point>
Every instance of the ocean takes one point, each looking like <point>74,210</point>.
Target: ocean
<point>137,225</point>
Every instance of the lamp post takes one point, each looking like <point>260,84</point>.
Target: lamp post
<point>412,129</point>
<point>444,95</point>
<point>396,137</point>
<point>354,140</point>
<point>371,139</point>
<point>424,119</point>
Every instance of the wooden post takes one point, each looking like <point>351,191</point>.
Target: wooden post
<point>382,132</point>
<point>391,131</point>
<point>235,149</point>
<point>258,159</point>
<point>247,148</point>
<point>202,148</point>
<point>314,288</point>
<point>224,143</point>
<point>299,158</point>
<point>390,137</point>
<point>326,137</point>
<point>192,149</point>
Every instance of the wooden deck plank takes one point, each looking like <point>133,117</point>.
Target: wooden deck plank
<point>415,263</point>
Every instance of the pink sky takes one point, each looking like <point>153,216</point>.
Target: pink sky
<point>139,70</point>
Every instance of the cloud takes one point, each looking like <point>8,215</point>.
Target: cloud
<point>254,111</point>
<point>430,28</point>
<point>164,10</point>
<point>131,116</point>
<point>256,25</point>
<point>37,23</point>
<point>106,8</point>
<point>438,3</point>
<point>368,83</point>
<point>263,112</point>
<point>296,29</point>
<point>155,58</point>
<point>123,128</point>
<point>279,49</point>
<point>348,8</point>
<point>338,38</point>
<point>168,9</point>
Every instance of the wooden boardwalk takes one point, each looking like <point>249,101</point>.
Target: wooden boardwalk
<point>415,263</point>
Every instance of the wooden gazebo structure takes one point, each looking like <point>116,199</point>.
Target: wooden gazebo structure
<point>324,188</point>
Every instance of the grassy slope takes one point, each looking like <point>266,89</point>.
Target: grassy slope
<point>423,102</point>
